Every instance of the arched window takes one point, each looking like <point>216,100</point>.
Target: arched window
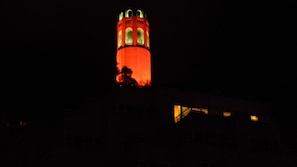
<point>120,39</point>
<point>129,13</point>
<point>139,13</point>
<point>128,36</point>
<point>147,40</point>
<point>140,36</point>
<point>121,15</point>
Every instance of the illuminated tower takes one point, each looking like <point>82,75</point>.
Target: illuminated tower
<point>133,47</point>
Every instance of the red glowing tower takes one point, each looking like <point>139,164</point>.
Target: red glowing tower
<point>133,48</point>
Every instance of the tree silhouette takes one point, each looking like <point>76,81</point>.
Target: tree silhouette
<point>117,70</point>
<point>125,78</point>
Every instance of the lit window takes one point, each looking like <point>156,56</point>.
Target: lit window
<point>120,39</point>
<point>203,110</point>
<point>177,113</point>
<point>139,13</point>
<point>185,111</point>
<point>226,114</point>
<point>121,16</point>
<point>182,111</point>
<point>254,118</point>
<point>129,13</point>
<point>128,39</point>
<point>140,36</point>
<point>147,40</point>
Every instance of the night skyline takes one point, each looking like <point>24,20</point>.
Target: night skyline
<point>67,48</point>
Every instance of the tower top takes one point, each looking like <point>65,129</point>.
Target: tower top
<point>130,12</point>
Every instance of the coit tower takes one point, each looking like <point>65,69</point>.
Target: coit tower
<point>133,47</point>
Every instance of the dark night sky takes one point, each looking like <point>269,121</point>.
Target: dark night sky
<point>65,48</point>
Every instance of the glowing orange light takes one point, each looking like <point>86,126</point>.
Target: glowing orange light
<point>254,118</point>
<point>226,114</point>
<point>133,46</point>
<point>138,60</point>
<point>177,113</point>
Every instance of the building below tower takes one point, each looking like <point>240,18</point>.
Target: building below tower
<point>166,127</point>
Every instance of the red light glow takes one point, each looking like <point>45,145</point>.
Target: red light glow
<point>133,49</point>
<point>139,61</point>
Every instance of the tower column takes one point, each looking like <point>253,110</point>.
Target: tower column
<point>133,53</point>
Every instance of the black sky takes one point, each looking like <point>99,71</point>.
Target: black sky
<point>66,48</point>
